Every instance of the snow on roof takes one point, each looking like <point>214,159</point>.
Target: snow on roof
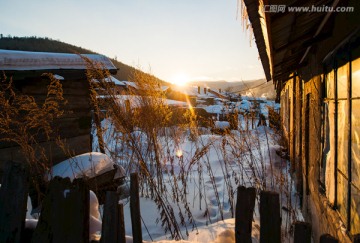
<point>116,81</point>
<point>189,90</point>
<point>215,109</point>
<point>132,84</point>
<point>25,60</point>
<point>58,77</point>
<point>111,79</point>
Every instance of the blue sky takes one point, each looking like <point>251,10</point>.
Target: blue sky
<point>196,39</point>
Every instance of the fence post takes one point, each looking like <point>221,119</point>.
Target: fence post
<point>110,226</point>
<point>302,232</point>
<point>326,238</point>
<point>270,223</point>
<point>121,237</point>
<point>245,204</point>
<point>356,238</point>
<point>135,208</point>
<point>13,201</point>
<point>65,213</point>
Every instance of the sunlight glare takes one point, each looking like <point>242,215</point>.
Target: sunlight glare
<point>180,79</point>
<point>179,153</point>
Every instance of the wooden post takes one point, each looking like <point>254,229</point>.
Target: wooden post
<point>13,201</point>
<point>302,232</point>
<point>135,208</point>
<point>244,214</point>
<point>110,224</point>
<point>328,239</point>
<point>270,223</point>
<point>356,238</point>
<point>121,230</point>
<point>65,213</point>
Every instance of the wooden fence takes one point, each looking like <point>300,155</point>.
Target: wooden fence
<point>65,213</point>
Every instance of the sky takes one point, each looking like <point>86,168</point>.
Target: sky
<point>172,39</point>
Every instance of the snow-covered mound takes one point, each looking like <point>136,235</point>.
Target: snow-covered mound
<point>84,165</point>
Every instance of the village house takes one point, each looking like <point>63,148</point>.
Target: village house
<point>312,55</point>
<point>25,69</point>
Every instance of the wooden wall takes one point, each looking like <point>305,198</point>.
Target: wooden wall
<point>74,127</point>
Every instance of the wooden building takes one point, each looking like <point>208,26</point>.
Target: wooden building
<point>74,127</point>
<point>311,51</point>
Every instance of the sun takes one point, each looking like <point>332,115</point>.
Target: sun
<point>180,79</point>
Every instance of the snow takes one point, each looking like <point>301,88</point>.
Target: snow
<point>214,222</point>
<point>222,124</point>
<point>223,162</point>
<point>88,164</point>
<point>135,100</point>
<point>26,60</point>
<point>94,217</point>
<point>217,109</point>
<point>189,90</point>
<point>116,81</point>
<point>131,84</point>
<point>112,79</point>
<point>58,77</point>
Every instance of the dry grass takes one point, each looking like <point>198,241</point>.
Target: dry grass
<point>142,139</point>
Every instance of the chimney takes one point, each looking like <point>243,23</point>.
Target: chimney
<point>204,90</point>
<point>219,90</point>
<point>198,89</point>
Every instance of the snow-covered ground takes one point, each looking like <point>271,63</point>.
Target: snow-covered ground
<point>209,168</point>
<point>198,175</point>
<point>208,193</point>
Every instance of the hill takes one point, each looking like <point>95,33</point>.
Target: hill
<point>255,88</point>
<point>39,44</point>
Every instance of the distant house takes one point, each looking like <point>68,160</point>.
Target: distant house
<point>313,58</point>
<point>26,69</point>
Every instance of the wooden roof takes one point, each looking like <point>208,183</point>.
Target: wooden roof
<point>290,35</point>
<point>29,61</point>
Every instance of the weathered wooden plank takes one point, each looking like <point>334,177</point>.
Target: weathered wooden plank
<point>244,214</point>
<point>302,232</point>
<point>13,201</point>
<point>356,238</point>
<point>110,224</point>
<point>135,208</point>
<point>65,213</point>
<point>326,238</point>
<point>64,128</point>
<point>121,230</point>
<point>73,101</point>
<point>79,203</point>
<point>76,145</point>
<point>49,210</point>
<point>270,223</point>
<point>72,87</point>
